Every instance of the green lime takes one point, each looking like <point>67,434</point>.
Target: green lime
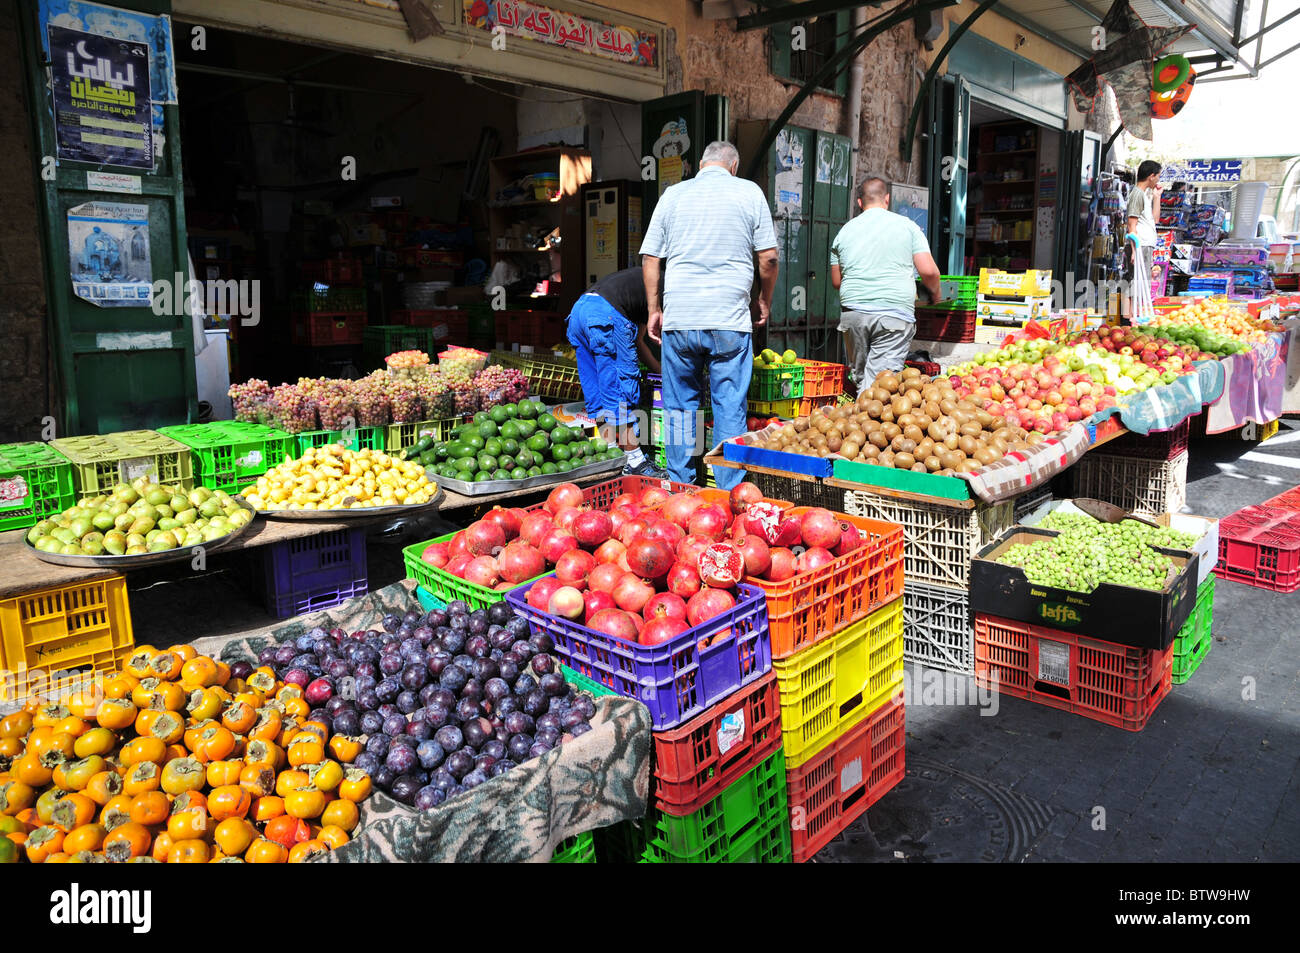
<point>577,450</point>
<point>440,451</point>
<point>564,466</point>
<point>613,453</point>
<point>466,465</point>
<point>547,422</point>
<point>548,468</point>
<point>474,440</point>
<point>561,435</point>
<point>518,473</point>
<point>506,462</point>
<point>481,416</point>
<point>510,446</point>
<point>527,410</point>
<point>559,452</point>
<point>600,446</point>
<point>482,476</point>
<point>512,410</point>
<point>524,457</point>
<point>510,430</point>
<point>498,414</point>
<point>449,470</point>
<point>428,458</point>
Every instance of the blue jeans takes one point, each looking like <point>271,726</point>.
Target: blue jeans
<point>727,358</point>
<point>604,344</point>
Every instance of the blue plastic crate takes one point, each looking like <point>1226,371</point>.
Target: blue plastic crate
<point>315,572</point>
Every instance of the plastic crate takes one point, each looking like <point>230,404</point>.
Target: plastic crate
<point>929,368</point>
<point>1195,637</point>
<point>653,390</point>
<point>229,454</point>
<point>101,462</point>
<point>326,299</point>
<point>939,541</point>
<point>1290,500</point>
<point>398,437</point>
<point>1026,503</point>
<point>380,340</point>
<point>428,601</point>
<point>937,628</point>
<point>696,761</point>
<point>555,378</point>
<point>835,788</point>
<point>1118,685</point>
<point>314,572</point>
<point>945,324</point>
<point>328,330</point>
<point>776,383</point>
<point>785,409</point>
<point>48,634</point>
<point>443,584</point>
<point>810,606</point>
<point>678,679</point>
<point>821,379</point>
<point>811,492</point>
<point>583,684</point>
<point>1165,445</point>
<point>35,483</point>
<point>1260,546</point>
<point>359,438</point>
<point>332,271</point>
<point>839,681</point>
<point>808,404</point>
<point>578,849</point>
<point>1147,487</point>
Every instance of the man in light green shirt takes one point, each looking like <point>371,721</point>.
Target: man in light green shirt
<point>874,261</point>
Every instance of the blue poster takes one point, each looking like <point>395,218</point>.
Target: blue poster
<point>102,111</point>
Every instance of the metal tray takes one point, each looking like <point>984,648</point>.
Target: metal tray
<point>488,487</point>
<point>142,560</point>
<point>340,516</point>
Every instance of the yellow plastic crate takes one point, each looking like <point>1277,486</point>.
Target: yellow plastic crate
<point>48,634</point>
<point>836,683</point>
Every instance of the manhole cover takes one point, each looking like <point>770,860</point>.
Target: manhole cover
<point>940,814</point>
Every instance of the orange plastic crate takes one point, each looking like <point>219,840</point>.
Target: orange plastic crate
<point>813,605</point>
<point>1118,685</point>
<point>835,788</point>
<point>693,763</point>
<point>821,379</point>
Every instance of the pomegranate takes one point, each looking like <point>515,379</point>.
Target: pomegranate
<point>738,531</point>
<point>535,527</point>
<point>665,603</point>
<point>661,628</point>
<point>484,538</point>
<point>594,600</point>
<point>815,557</point>
<point>632,592</point>
<point>540,592</point>
<point>592,528</point>
<point>556,543</point>
<point>456,566</point>
<point>614,622</point>
<point>520,562</point>
<point>668,531</point>
<point>508,520</point>
<point>721,566</point>
<point>708,603</point>
<point>769,522</point>
<point>622,499</point>
<point>632,529</point>
<point>653,496</point>
<point>504,586</point>
<point>649,558</point>
<point>782,567</point>
<point>567,602</point>
<point>566,494</point>
<point>621,562</point>
<point>820,528</point>
<point>457,546</point>
<point>709,520</point>
<point>683,579</point>
<point>679,507</point>
<point>605,576</point>
<point>757,555</point>
<point>691,548</point>
<point>850,539</point>
<point>742,494</point>
<point>482,571</point>
<point>436,554</point>
<point>572,568</point>
<point>564,518</point>
<point>608,551</point>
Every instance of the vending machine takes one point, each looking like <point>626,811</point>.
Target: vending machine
<point>611,227</point>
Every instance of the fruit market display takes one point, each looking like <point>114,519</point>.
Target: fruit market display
<point>768,359</point>
<point>180,758</point>
<point>139,518</point>
<point>407,359</point>
<point>1163,537</point>
<point>512,441</point>
<point>335,478</point>
<point>435,704</point>
<point>1218,317</point>
<point>910,421</point>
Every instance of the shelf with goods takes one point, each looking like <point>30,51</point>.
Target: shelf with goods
<point>993,166</point>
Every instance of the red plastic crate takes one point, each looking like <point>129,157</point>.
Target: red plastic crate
<point>822,379</point>
<point>1118,685</point>
<point>929,368</point>
<point>332,271</point>
<point>1260,546</point>
<point>835,788</point>
<point>519,327</point>
<point>1290,500</point>
<point>693,763</point>
<point>324,330</point>
<point>449,325</point>
<point>813,605</point>
<point>1165,445</point>
<point>941,324</point>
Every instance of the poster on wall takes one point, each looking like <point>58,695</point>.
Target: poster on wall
<point>102,110</point>
<point>789,174</point>
<point>912,202</point>
<point>670,151</point>
<point>108,254</point>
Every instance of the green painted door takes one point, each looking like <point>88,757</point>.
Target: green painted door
<point>674,131</point>
<point>117,367</point>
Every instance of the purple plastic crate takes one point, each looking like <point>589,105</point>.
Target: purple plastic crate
<point>315,572</point>
<point>676,680</point>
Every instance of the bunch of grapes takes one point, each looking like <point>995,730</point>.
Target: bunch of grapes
<point>500,385</point>
<point>1128,530</point>
<point>1084,558</point>
<point>404,399</point>
<point>295,411</point>
<point>371,396</point>
<point>335,404</point>
<point>407,359</point>
<point>461,363</point>
<point>439,401</point>
<point>247,396</point>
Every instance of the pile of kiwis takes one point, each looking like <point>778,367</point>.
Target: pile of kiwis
<point>907,421</point>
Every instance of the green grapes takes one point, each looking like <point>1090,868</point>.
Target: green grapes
<point>1088,553</point>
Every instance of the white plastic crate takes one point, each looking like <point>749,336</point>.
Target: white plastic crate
<point>938,629</point>
<point>1026,503</point>
<point>814,492</point>
<point>1148,487</point>
<point>938,541</point>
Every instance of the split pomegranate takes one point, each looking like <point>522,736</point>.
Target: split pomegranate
<point>539,593</point>
<point>572,568</point>
<point>666,603</point>
<point>520,562</point>
<point>614,622</point>
<point>605,576</point>
<point>649,558</point>
<point>508,520</point>
<point>757,555</point>
<point>683,579</point>
<point>820,528</point>
<point>765,520</point>
<point>483,538</point>
<point>782,567</point>
<point>709,520</point>
<point>592,528</point>
<point>743,494</point>
<point>632,592</point>
<point>535,527</point>
<point>566,494</point>
<point>721,566</point>
<point>707,604</point>
<point>567,602</point>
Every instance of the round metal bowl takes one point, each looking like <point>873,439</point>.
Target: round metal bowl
<point>339,516</point>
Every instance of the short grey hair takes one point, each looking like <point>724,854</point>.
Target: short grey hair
<point>722,152</point>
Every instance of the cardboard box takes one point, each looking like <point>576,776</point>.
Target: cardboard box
<point>994,334</point>
<point>1032,283</point>
<point>1019,309</point>
<point>1234,255</point>
<point>1143,618</point>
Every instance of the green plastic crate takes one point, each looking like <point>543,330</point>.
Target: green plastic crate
<point>1194,639</point>
<point>400,436</point>
<point>579,849</point>
<point>747,822</point>
<point>778,383</point>
<point>381,340</point>
<point>228,453</point>
<point>443,584</point>
<point>35,483</point>
<point>331,300</point>
<point>101,462</point>
<point>362,438</point>
<point>585,684</point>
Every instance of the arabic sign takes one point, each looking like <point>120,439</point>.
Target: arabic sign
<point>155,32</point>
<point>1202,170</point>
<point>556,28</point>
<point>102,109</point>
<point>108,254</point>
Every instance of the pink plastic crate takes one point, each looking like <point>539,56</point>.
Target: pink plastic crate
<point>1260,546</point>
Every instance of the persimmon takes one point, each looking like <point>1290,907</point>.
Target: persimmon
<point>189,852</point>
<point>234,835</point>
<point>265,851</point>
<point>229,801</point>
<point>127,841</point>
<point>150,808</point>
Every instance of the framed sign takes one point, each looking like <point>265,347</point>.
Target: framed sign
<point>911,201</point>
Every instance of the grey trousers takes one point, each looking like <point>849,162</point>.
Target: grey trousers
<point>875,343</point>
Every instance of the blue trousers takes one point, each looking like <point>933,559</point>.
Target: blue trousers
<point>726,357</point>
<point>604,343</point>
